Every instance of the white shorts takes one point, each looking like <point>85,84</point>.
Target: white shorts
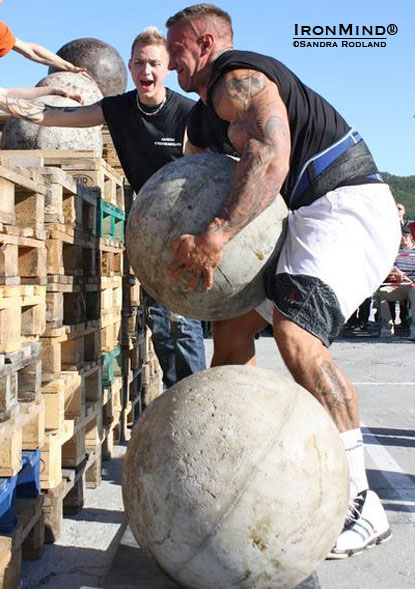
<point>348,239</point>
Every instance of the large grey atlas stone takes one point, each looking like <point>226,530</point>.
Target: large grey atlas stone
<point>19,134</point>
<point>76,83</point>
<point>236,478</point>
<point>182,197</point>
<point>102,61</point>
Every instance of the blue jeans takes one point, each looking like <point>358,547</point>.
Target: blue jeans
<point>178,341</point>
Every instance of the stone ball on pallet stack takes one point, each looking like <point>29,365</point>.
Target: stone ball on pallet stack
<point>236,477</point>
<point>77,83</point>
<point>102,61</point>
<point>19,134</point>
<point>182,197</point>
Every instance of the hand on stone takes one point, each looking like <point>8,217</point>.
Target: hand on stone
<point>197,256</point>
<point>81,70</point>
<point>73,95</point>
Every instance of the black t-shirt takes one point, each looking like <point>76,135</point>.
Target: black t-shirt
<point>314,123</point>
<point>146,143</point>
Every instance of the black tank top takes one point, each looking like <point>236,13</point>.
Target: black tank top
<point>314,123</point>
<point>145,143</point>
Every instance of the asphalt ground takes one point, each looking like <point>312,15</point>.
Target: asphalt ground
<point>97,550</point>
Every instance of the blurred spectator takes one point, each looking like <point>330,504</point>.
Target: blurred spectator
<point>360,318</point>
<point>400,284</point>
<point>408,223</point>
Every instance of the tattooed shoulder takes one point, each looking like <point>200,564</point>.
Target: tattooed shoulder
<point>243,85</point>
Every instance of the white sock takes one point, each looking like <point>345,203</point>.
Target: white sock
<point>353,445</point>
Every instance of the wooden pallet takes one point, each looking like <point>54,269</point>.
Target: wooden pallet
<point>133,358</point>
<point>71,300</point>
<point>151,390</point>
<point>132,296</point>
<point>111,221</point>
<point>22,315</point>
<point>70,252</point>
<point>20,379</point>
<point>70,347</point>
<point>67,448</point>
<point>26,541</point>
<point>67,396</point>
<point>133,322</point>
<point>22,260</point>
<point>25,431</point>
<point>110,294</point>
<point>22,201</point>
<point>85,167</point>
<point>68,202</point>
<point>112,412</point>
<point>110,330</point>
<point>111,258</point>
<point>67,498</point>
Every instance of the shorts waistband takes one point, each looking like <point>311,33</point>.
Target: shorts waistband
<point>315,166</point>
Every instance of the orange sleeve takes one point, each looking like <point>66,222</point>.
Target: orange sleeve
<point>7,39</point>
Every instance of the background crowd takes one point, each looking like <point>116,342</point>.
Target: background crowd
<point>392,307</point>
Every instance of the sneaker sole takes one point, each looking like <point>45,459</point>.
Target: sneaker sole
<point>381,539</point>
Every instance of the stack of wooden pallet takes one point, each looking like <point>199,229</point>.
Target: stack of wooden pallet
<point>22,409</point>
<point>76,362</point>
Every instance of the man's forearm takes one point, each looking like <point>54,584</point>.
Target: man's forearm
<point>256,184</point>
<point>51,116</point>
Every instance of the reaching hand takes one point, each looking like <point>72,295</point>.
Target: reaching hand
<point>197,255</point>
<point>81,70</point>
<point>67,94</point>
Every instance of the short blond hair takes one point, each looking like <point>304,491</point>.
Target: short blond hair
<point>149,36</point>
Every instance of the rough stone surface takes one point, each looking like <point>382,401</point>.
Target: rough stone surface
<point>74,83</point>
<point>102,61</point>
<point>18,134</point>
<point>235,477</point>
<point>182,197</point>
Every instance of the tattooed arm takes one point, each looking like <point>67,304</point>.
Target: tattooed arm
<point>50,116</point>
<point>259,130</point>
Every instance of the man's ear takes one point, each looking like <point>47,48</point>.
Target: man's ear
<point>207,43</point>
<point>129,65</point>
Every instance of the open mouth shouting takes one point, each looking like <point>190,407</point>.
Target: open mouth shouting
<point>146,84</point>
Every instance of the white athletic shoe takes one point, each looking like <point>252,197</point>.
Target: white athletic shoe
<point>366,525</point>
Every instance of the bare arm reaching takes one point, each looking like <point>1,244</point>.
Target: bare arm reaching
<point>40,54</point>
<point>33,93</point>
<point>51,116</point>
<point>259,130</point>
